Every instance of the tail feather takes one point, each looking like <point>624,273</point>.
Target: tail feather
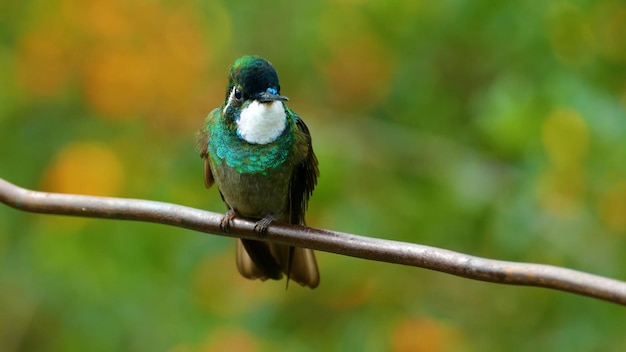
<point>259,260</point>
<point>256,261</point>
<point>298,263</point>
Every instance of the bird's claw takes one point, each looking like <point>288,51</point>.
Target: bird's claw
<point>262,225</point>
<point>226,220</point>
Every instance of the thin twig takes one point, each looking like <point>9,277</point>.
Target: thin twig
<point>438,259</point>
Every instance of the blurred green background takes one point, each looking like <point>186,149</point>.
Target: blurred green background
<point>491,128</point>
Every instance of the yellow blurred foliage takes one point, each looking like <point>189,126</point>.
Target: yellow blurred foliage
<point>231,340</point>
<point>565,138</point>
<point>610,21</point>
<point>613,207</point>
<point>561,190</point>
<point>571,36</point>
<point>576,36</point>
<point>423,334</point>
<point>85,168</point>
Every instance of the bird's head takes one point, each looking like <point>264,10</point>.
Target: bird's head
<point>253,100</point>
<point>252,78</point>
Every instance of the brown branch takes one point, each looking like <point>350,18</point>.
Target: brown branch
<point>442,260</point>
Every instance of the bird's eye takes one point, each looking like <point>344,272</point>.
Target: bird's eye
<point>238,95</point>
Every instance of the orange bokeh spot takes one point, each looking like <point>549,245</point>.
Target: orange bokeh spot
<point>129,59</point>
<point>119,83</point>
<point>146,60</point>
<point>42,66</point>
<point>217,271</point>
<point>359,72</point>
<point>353,295</point>
<point>416,335</point>
<point>85,168</point>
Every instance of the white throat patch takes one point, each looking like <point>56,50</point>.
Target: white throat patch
<point>262,123</point>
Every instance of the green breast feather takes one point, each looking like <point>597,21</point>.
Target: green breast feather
<point>226,147</point>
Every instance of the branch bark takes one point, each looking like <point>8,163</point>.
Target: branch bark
<point>459,264</point>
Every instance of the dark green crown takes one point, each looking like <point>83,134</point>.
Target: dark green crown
<point>253,75</point>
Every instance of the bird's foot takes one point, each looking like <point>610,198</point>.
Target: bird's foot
<point>226,220</point>
<point>261,226</point>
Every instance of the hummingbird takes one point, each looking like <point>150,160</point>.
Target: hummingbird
<point>259,153</point>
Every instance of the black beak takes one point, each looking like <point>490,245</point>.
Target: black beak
<point>266,97</point>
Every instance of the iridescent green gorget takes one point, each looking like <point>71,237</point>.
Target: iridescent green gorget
<point>226,146</point>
